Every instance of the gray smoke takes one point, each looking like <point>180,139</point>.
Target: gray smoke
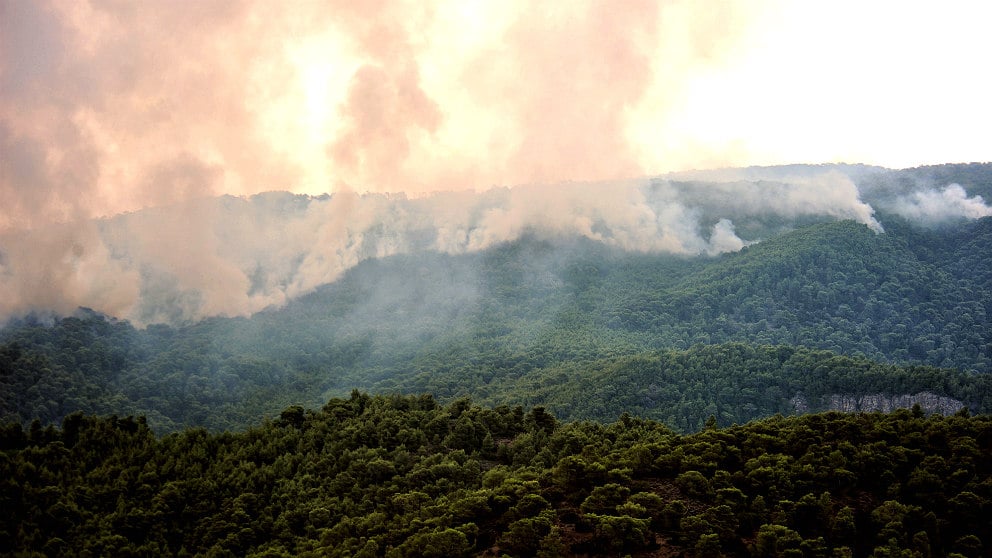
<point>932,205</point>
<point>234,256</point>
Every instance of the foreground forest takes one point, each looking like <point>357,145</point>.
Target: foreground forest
<point>405,476</point>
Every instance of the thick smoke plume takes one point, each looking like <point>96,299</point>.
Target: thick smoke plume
<point>109,106</point>
<point>145,107</point>
<point>116,106</point>
<point>931,205</point>
<point>236,255</point>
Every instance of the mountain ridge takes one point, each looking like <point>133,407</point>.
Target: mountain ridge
<point>234,256</point>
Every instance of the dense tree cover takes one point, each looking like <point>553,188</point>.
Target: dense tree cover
<point>405,476</point>
<point>546,321</point>
<point>734,382</point>
<point>94,364</point>
<point>900,296</point>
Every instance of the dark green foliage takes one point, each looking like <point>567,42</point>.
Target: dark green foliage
<point>732,383</point>
<point>374,476</point>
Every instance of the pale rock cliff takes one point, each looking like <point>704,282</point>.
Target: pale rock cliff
<point>928,402</point>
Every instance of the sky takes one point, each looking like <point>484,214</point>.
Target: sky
<point>112,106</point>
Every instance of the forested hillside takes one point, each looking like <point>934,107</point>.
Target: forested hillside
<point>484,278</point>
<point>556,322</point>
<point>404,476</point>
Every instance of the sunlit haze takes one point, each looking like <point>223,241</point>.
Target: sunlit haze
<point>108,106</point>
<point>450,126</point>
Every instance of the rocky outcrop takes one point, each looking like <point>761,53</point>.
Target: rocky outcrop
<point>799,403</point>
<point>929,402</point>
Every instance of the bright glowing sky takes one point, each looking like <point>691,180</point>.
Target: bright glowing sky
<point>113,106</point>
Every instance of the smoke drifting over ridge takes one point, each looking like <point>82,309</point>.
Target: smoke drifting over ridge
<point>934,206</point>
<point>236,255</point>
<point>110,106</point>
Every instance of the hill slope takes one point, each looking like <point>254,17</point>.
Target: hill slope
<point>548,320</point>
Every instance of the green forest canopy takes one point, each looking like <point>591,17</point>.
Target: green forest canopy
<point>405,476</point>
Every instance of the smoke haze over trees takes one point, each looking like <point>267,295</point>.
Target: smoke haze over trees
<point>234,256</point>
<point>824,308</point>
<point>414,278</point>
<point>108,107</point>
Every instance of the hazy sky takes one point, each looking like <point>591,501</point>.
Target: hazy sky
<point>116,105</point>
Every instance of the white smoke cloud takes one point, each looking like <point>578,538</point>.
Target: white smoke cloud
<point>235,256</point>
<point>724,238</point>
<point>934,206</point>
<point>117,106</point>
<point>737,193</point>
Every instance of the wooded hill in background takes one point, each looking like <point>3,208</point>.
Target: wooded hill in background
<point>404,476</point>
<point>587,330</point>
<point>819,311</point>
